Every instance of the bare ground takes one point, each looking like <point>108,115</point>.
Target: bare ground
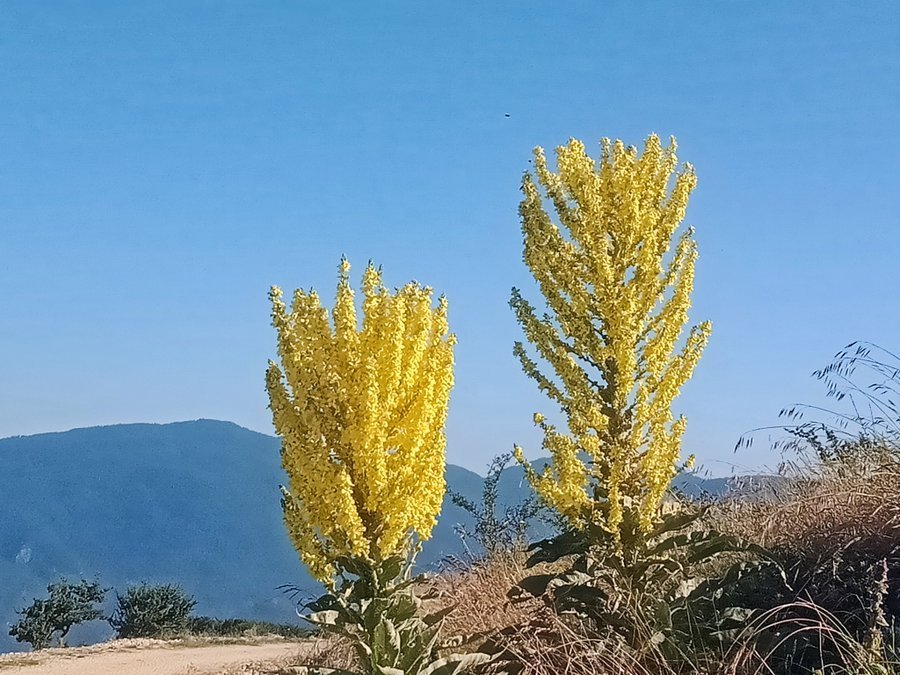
<point>152,657</point>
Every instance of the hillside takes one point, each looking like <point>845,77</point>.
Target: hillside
<point>195,503</point>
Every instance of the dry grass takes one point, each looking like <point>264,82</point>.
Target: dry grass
<point>321,652</point>
<point>823,506</point>
<point>835,526</point>
<point>479,593</point>
<point>772,640</point>
<point>553,645</point>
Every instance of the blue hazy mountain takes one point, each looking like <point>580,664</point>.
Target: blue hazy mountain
<point>194,503</point>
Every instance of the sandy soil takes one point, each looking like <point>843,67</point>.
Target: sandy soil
<point>150,657</point>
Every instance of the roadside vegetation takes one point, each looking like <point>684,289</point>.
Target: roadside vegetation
<point>152,611</point>
<point>795,573</point>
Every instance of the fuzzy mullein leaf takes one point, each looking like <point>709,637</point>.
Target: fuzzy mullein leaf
<point>386,643</point>
<point>437,617</point>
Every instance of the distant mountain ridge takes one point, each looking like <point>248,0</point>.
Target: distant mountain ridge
<point>194,503</point>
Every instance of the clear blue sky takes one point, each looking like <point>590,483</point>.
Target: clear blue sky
<point>163,163</point>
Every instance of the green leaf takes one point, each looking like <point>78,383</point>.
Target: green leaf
<point>372,611</point>
<point>389,670</point>
<point>393,636</point>
<point>419,579</point>
<point>398,608</point>
<point>429,639</point>
<point>437,617</point>
<point>535,585</point>
<point>714,544</point>
<point>356,566</point>
<point>573,578</point>
<point>455,663</point>
<point>581,598</point>
<point>678,521</point>
<point>688,586</point>
<point>554,548</point>
<point>385,642</point>
<point>320,604</point>
<point>328,617</point>
<point>688,540</point>
<point>391,568</point>
<point>657,638</point>
<point>740,615</point>
<point>662,614</point>
<point>711,589</point>
<point>401,607</point>
<point>668,565</point>
<point>418,646</point>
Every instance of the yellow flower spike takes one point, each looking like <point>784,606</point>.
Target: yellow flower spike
<point>360,411</point>
<point>617,290</point>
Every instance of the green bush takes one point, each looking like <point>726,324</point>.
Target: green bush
<point>498,530</point>
<point>67,605</point>
<point>152,611</point>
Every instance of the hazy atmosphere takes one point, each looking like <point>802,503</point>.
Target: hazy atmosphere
<point>164,163</point>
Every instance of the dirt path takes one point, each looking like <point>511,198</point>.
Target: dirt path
<point>146,657</point>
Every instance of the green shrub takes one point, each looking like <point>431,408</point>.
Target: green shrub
<point>498,530</point>
<point>152,611</point>
<point>67,605</point>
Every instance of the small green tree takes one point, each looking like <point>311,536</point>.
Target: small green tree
<point>152,611</point>
<point>67,605</point>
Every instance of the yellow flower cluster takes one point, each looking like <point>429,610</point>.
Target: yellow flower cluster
<point>361,411</point>
<point>618,299</point>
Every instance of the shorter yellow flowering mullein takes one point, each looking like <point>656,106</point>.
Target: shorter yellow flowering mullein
<point>360,408</point>
<point>361,411</point>
<point>618,299</point>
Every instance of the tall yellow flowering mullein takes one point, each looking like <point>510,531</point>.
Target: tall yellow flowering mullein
<point>360,409</point>
<point>617,285</point>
